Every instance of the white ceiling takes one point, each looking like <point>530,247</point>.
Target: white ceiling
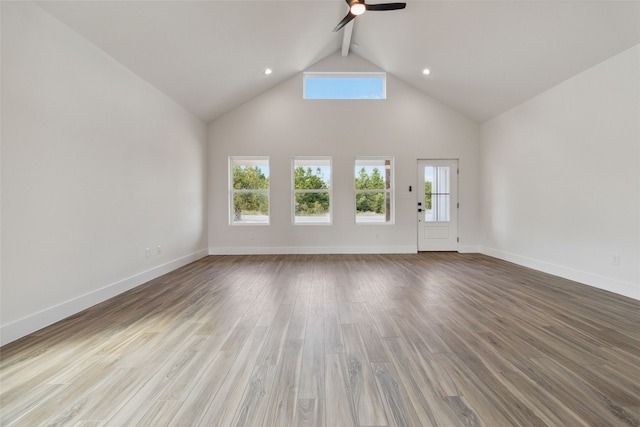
<point>485,56</point>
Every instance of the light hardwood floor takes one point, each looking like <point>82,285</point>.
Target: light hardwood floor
<point>432,339</point>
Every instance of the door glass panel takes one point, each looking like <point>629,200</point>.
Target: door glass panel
<point>437,193</point>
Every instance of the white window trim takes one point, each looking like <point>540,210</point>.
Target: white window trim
<point>294,191</point>
<point>390,190</point>
<point>233,191</point>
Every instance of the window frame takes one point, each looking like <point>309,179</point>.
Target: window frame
<point>295,191</point>
<point>345,75</point>
<point>232,191</point>
<point>375,160</point>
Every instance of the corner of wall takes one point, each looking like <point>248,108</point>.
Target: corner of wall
<point>36,321</point>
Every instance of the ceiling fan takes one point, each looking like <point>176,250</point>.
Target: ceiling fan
<point>357,7</point>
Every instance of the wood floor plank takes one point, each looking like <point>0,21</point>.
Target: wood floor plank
<point>134,410</point>
<point>625,364</point>
<point>160,414</point>
<point>376,351</point>
<point>339,409</point>
<point>71,407</point>
<point>625,380</point>
<point>420,335</point>
<point>182,384</point>
<point>222,408</point>
<point>115,392</point>
<point>363,390</point>
<point>601,409</point>
<point>400,411</point>
<point>440,374</point>
<point>253,405</point>
<point>273,347</point>
<point>345,310</point>
<point>316,293</point>
<point>271,305</point>
<point>40,411</point>
<point>298,323</point>
<point>283,397</point>
<point>634,410</point>
<point>312,371</point>
<point>205,389</point>
<point>546,406</point>
<point>466,415</point>
<point>479,384</point>
<point>238,336</point>
<point>310,413</point>
<point>422,394</point>
<point>26,401</point>
<point>332,333</point>
<point>441,339</point>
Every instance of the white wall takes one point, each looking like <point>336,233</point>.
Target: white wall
<point>96,166</point>
<point>561,178</point>
<point>407,125</point>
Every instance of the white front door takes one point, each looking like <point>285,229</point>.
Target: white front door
<point>437,205</point>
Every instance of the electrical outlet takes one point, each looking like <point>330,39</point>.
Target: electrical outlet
<point>615,259</point>
<point>159,250</point>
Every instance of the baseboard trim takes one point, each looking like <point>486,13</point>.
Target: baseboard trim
<point>468,249</point>
<point>292,250</point>
<point>605,283</point>
<point>34,322</point>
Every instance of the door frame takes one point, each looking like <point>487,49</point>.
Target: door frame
<point>454,202</point>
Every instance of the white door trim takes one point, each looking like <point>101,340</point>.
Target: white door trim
<point>437,222</point>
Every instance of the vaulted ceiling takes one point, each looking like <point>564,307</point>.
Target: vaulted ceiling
<point>485,57</point>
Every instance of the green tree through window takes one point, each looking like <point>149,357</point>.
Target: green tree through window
<point>310,203</point>
<point>373,190</point>
<point>249,191</point>
<point>427,195</point>
<point>312,190</point>
<point>370,201</point>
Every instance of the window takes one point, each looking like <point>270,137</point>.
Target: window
<point>248,190</point>
<point>437,193</point>
<point>374,190</point>
<point>345,86</point>
<point>311,184</point>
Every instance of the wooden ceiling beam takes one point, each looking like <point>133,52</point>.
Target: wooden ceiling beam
<point>346,38</point>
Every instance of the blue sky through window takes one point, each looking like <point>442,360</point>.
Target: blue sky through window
<point>344,87</point>
<point>261,163</point>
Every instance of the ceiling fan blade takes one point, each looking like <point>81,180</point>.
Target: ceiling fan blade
<point>386,6</point>
<point>344,21</point>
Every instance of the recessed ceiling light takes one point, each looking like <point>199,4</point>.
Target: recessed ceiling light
<point>268,71</point>
<point>426,71</point>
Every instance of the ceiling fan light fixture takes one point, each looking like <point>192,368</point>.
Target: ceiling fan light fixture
<point>357,8</point>
<point>426,71</point>
<point>268,71</point>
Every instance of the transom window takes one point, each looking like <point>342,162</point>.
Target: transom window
<point>373,190</point>
<point>248,190</point>
<point>311,190</point>
<point>345,86</point>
